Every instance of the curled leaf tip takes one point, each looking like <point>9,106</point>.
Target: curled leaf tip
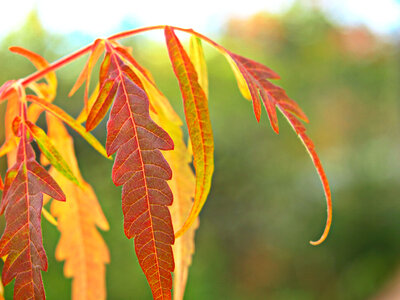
<point>327,226</point>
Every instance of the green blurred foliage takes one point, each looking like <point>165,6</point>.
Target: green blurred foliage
<point>266,201</point>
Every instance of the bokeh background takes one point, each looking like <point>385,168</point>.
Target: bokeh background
<point>341,61</point>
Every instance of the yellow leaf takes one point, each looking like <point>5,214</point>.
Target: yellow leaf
<point>244,89</point>
<point>81,245</point>
<point>84,113</point>
<point>48,216</point>
<point>196,55</point>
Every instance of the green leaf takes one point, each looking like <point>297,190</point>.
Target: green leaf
<point>51,153</point>
<point>63,116</point>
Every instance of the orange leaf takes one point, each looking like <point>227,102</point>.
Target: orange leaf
<point>1,291</point>
<point>8,145</point>
<point>84,113</point>
<point>40,63</point>
<point>102,104</point>
<point>198,121</point>
<point>6,89</point>
<point>85,75</point>
<point>81,246</point>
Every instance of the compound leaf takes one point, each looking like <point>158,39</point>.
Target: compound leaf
<point>256,77</point>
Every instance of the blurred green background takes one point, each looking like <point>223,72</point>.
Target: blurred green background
<point>266,201</point>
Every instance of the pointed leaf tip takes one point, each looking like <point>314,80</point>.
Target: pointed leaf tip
<point>51,153</point>
<point>253,79</point>
<point>309,145</point>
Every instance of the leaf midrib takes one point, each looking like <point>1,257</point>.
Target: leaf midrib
<point>121,78</point>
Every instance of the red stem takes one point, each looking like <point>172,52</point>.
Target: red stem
<point>69,58</point>
<point>54,66</point>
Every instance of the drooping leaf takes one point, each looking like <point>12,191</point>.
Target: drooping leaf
<point>81,245</point>
<point>40,63</point>
<point>196,55</point>
<point>198,121</point>
<point>102,104</point>
<point>50,151</point>
<point>44,90</point>
<point>96,51</point>
<point>84,112</point>
<point>182,184</point>
<point>256,77</point>
<point>21,241</point>
<point>143,172</point>
<point>242,84</point>
<point>62,115</point>
<point>10,145</point>
<point>301,132</point>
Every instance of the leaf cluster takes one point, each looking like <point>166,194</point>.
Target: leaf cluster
<point>161,195</point>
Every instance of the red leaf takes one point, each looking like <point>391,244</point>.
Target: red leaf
<point>256,75</point>
<point>142,171</point>
<point>26,182</point>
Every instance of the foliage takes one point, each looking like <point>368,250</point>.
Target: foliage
<point>146,137</point>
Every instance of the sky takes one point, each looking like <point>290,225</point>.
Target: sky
<point>101,18</point>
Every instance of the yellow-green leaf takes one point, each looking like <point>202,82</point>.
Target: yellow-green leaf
<point>196,55</point>
<point>198,121</point>
<point>63,116</point>
<point>51,153</point>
